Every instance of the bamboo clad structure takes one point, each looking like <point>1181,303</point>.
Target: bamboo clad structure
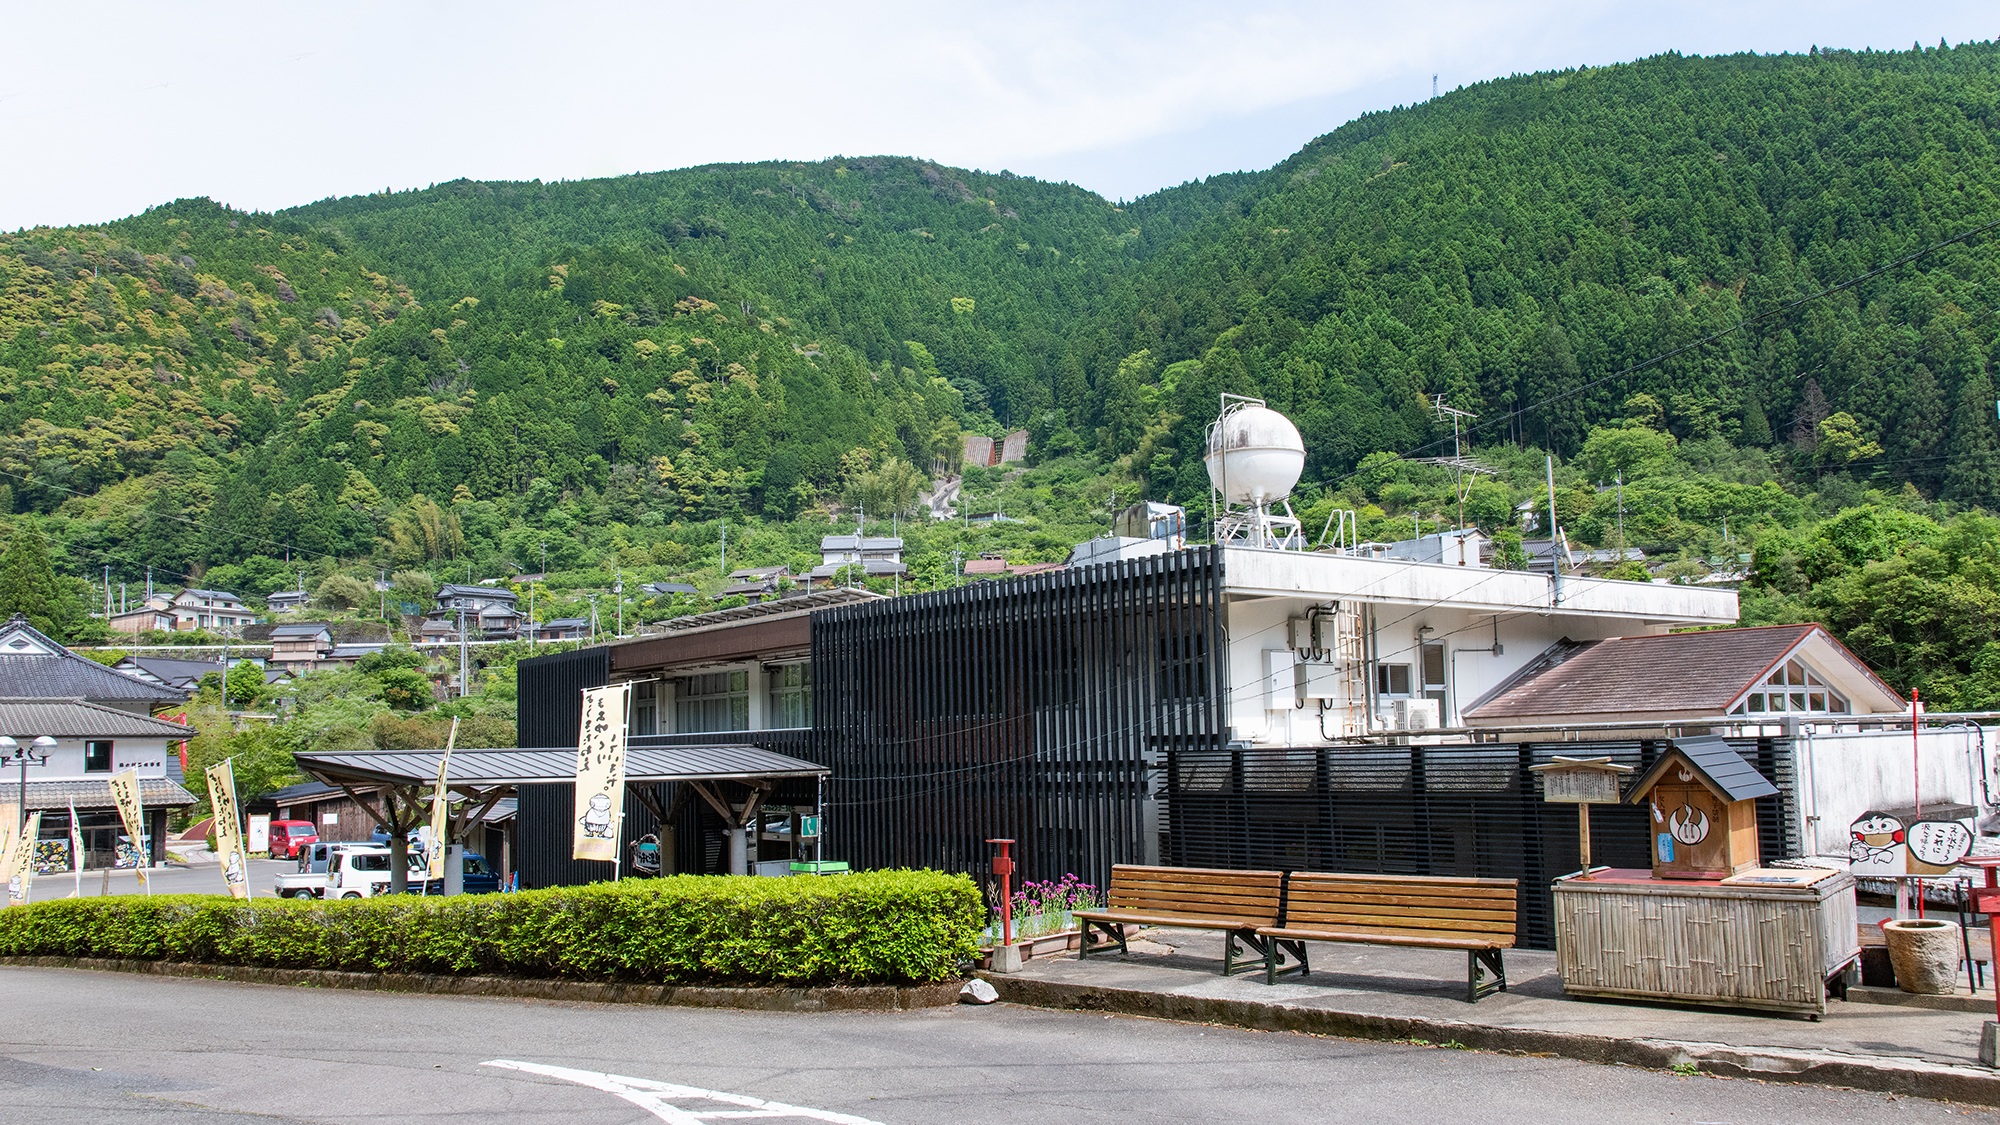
<point>1624,934</point>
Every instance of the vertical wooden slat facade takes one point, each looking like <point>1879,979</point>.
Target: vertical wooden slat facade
<point>1026,709</point>
<point>1468,810</point>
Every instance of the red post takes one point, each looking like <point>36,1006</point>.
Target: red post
<point>1916,783</point>
<point>1986,901</point>
<point>1003,866</point>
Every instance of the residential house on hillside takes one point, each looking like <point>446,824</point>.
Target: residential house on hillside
<point>302,647</point>
<point>32,666</point>
<point>218,611</point>
<point>286,601</point>
<point>667,589</point>
<point>878,557</point>
<point>487,612</point>
<point>182,676</point>
<point>563,629</point>
<point>154,613</point>
<point>754,582</point>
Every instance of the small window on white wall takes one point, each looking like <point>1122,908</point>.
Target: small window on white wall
<point>1392,679</point>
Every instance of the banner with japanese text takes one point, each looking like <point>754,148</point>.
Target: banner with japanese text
<point>441,810</point>
<point>21,864</point>
<point>125,794</point>
<point>229,829</point>
<point>600,772</point>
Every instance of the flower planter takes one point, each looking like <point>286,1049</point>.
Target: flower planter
<point>1047,945</point>
<point>1925,954</point>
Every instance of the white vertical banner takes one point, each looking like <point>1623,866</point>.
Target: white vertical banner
<point>76,850</point>
<point>125,794</point>
<point>228,829</point>
<point>10,823</point>
<point>440,810</point>
<point>21,865</point>
<point>600,772</point>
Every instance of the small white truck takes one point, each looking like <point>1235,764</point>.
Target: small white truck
<point>309,881</point>
<point>363,871</point>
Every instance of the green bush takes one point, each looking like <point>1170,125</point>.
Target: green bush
<point>902,927</point>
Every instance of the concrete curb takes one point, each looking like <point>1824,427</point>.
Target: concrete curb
<point>1975,1085</point>
<point>835,999</point>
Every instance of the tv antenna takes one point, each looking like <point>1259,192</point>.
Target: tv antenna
<point>1464,470</point>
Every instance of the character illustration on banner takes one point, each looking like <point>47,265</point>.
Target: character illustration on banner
<point>597,820</point>
<point>1876,842</point>
<point>16,894</point>
<point>232,869</point>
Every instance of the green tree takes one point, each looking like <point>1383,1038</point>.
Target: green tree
<point>29,587</point>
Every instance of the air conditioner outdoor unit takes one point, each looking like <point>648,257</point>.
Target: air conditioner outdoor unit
<point>1416,714</point>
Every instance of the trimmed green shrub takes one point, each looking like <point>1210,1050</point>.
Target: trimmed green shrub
<point>876,927</point>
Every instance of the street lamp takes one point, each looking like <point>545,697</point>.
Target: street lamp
<point>39,752</point>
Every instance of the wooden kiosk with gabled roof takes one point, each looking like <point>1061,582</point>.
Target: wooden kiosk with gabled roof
<point>1701,799</point>
<point>1707,925</point>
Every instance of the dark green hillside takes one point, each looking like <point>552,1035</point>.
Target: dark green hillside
<point>1520,240</point>
<point>988,271</point>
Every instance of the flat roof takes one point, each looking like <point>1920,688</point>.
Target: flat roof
<point>499,767</point>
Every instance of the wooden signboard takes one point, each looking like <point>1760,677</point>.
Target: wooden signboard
<point>1582,782</point>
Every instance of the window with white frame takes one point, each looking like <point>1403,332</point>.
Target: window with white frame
<point>715,701</point>
<point>645,708</point>
<point>1792,689</point>
<point>791,695</point>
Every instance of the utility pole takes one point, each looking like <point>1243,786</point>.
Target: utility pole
<point>107,592</point>
<point>462,662</point>
<point>593,615</point>
<point>1620,478</point>
<point>618,591</point>
<point>723,559</point>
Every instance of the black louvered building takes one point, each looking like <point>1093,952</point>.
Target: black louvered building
<point>1084,714</point>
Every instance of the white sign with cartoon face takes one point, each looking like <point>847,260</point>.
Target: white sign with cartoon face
<point>1881,844</point>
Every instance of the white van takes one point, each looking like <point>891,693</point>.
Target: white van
<point>363,872</point>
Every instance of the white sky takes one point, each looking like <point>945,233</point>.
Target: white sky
<point>108,108</point>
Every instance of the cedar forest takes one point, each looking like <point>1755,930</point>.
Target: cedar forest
<point>1747,302</point>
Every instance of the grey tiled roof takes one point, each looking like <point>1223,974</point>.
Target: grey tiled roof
<point>1719,764</point>
<point>96,793</point>
<point>70,718</point>
<point>68,676</point>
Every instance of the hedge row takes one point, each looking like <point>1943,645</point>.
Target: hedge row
<point>878,927</point>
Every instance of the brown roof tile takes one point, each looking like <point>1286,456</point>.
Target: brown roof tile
<point>1700,673</point>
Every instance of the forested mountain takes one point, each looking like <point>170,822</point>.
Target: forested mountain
<point>460,377</point>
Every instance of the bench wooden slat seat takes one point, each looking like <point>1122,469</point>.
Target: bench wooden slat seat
<point>1411,911</point>
<point>1238,903</point>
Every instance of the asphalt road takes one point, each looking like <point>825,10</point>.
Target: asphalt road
<point>110,1048</point>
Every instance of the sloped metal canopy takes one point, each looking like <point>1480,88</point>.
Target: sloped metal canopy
<point>485,769</point>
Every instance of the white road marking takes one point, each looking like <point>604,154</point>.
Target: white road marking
<point>653,1097</point>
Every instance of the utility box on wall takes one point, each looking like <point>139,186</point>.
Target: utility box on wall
<point>1701,799</point>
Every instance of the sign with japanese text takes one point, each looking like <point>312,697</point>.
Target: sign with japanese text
<point>229,829</point>
<point>600,772</point>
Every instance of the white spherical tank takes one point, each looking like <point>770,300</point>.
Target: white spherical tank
<point>1255,455</point>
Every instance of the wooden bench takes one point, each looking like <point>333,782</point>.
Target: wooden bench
<point>1239,903</point>
<point>1420,911</point>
